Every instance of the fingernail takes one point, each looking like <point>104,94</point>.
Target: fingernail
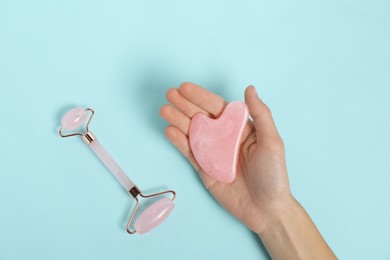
<point>254,92</point>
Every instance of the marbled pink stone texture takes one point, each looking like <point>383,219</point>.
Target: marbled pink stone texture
<point>215,143</point>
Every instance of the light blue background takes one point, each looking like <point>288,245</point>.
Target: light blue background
<point>322,66</point>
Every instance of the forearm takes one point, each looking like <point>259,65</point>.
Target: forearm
<point>293,235</point>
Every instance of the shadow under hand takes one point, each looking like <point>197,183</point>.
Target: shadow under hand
<point>262,249</point>
<point>153,85</point>
<point>150,96</point>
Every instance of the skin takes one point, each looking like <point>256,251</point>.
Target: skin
<point>260,196</point>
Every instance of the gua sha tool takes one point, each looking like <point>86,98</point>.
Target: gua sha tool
<point>153,215</point>
<point>215,143</point>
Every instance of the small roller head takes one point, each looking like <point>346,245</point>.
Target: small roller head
<point>73,119</point>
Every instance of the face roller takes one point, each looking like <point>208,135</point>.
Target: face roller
<point>153,215</point>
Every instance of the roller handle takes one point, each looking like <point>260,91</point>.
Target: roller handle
<point>110,163</point>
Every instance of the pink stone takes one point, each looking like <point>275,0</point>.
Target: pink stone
<point>154,215</point>
<point>215,143</point>
<point>73,119</point>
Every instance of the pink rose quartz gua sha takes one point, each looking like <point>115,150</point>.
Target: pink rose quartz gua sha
<point>215,143</point>
<point>153,215</point>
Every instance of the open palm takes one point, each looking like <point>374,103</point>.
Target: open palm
<point>261,187</point>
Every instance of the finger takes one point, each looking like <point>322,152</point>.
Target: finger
<point>203,98</point>
<point>183,104</point>
<point>176,118</point>
<point>212,103</point>
<point>178,139</point>
<point>261,115</point>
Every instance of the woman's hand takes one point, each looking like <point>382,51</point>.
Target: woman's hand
<point>261,189</point>
<point>260,195</point>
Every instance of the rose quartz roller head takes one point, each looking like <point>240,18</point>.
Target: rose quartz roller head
<point>152,216</point>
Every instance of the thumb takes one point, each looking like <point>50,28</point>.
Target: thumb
<point>262,118</point>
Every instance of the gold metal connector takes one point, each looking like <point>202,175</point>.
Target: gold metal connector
<point>88,138</point>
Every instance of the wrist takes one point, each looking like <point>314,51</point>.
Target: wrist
<point>261,214</point>
<point>291,234</point>
<point>279,213</point>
